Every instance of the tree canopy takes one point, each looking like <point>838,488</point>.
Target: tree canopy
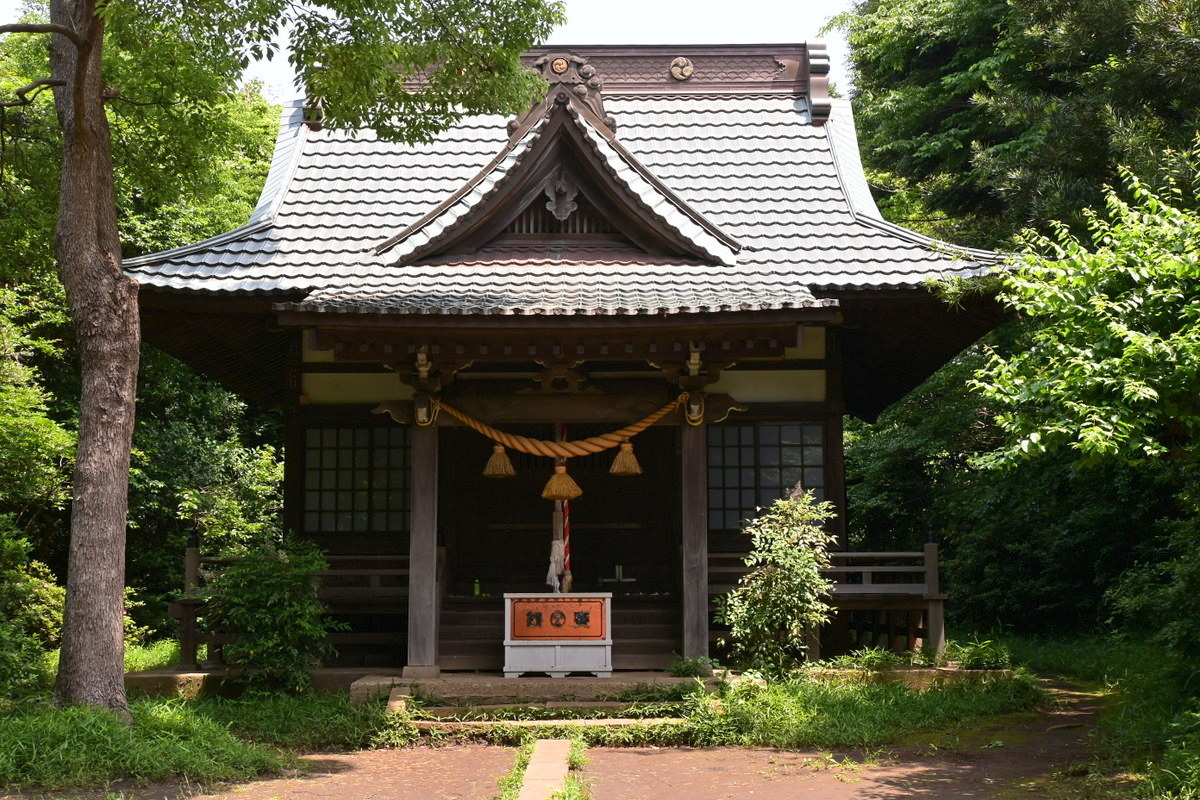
<point>356,61</point>
<point>981,117</point>
<point>1112,365</point>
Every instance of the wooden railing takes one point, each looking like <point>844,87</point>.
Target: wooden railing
<point>885,573</point>
<point>883,590</point>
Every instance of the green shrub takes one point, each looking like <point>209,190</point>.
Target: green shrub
<point>267,600</point>
<point>31,604</point>
<point>30,598</point>
<point>1161,594</point>
<point>23,672</point>
<point>782,598</point>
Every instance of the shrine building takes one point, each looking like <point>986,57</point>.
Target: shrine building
<point>679,234</point>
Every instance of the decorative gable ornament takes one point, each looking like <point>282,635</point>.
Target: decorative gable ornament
<point>573,76</point>
<point>561,190</point>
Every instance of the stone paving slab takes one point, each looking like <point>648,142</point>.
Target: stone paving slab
<point>547,769</point>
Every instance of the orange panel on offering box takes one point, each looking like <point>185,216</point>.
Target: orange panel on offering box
<point>580,619</point>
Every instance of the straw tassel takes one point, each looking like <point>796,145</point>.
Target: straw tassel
<point>499,465</point>
<point>626,462</point>
<point>561,486</point>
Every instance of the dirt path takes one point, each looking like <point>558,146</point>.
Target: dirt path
<point>1009,756</point>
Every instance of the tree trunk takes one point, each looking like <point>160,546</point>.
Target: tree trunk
<point>104,313</point>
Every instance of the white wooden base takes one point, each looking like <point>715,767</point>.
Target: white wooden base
<point>556,659</point>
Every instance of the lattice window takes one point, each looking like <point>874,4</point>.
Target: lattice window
<point>754,464</point>
<point>356,480</point>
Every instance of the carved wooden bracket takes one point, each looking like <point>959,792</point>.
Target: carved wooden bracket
<point>425,374</point>
<point>562,378</point>
<point>693,374</point>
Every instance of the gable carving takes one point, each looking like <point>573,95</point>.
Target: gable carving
<point>561,190</point>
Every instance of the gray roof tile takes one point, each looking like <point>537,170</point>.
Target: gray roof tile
<point>790,193</point>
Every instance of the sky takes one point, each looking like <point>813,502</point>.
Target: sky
<point>646,22</point>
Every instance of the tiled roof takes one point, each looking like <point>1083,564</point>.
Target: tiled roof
<point>750,169</point>
<point>544,281</point>
<point>426,233</point>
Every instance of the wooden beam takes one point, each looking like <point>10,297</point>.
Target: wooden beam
<point>366,345</point>
<point>422,557</point>
<point>694,497</point>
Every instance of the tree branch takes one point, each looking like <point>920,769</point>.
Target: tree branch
<point>44,27</point>
<point>37,87</point>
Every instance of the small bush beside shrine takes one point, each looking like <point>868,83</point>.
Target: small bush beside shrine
<point>782,600</point>
<point>267,600</point>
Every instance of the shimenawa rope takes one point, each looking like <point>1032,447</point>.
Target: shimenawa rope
<point>551,449</point>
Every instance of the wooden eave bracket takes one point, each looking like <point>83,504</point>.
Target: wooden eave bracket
<point>427,375</point>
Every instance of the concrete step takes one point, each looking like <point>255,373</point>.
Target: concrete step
<point>429,726</point>
<point>553,705</point>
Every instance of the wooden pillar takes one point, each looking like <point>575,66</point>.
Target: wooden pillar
<point>935,616</point>
<point>422,556</point>
<point>835,447</point>
<point>187,620</point>
<point>694,495</point>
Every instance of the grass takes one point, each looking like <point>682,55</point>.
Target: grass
<point>54,748</point>
<point>306,723</point>
<point>655,692</point>
<point>510,784</point>
<point>222,739</point>
<point>154,655</point>
<point>640,710</point>
<point>574,788</point>
<point>805,712</point>
<point>138,657</point>
<point>202,741</point>
<point>802,712</point>
<point>576,756</point>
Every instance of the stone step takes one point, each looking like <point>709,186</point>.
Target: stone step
<point>441,726</point>
<point>491,689</point>
<point>594,705</point>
